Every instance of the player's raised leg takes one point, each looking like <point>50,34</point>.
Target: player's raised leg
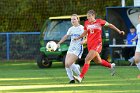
<point>104,63</point>
<point>109,65</point>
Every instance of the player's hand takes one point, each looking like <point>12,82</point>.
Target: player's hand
<point>122,32</point>
<point>75,38</point>
<point>83,42</point>
<point>58,45</point>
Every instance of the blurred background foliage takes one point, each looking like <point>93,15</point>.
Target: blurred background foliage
<point>29,15</point>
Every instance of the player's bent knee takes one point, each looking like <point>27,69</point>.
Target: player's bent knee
<point>67,65</point>
<point>87,61</point>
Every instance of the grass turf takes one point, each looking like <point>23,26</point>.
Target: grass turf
<point>23,77</point>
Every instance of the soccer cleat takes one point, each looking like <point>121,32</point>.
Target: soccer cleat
<point>112,69</point>
<point>72,81</point>
<point>78,79</point>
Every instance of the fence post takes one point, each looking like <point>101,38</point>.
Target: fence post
<point>8,46</point>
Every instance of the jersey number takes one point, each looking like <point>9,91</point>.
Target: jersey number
<point>91,31</point>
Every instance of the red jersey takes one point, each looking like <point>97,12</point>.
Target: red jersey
<point>94,37</point>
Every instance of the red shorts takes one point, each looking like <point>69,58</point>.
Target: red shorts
<point>96,47</point>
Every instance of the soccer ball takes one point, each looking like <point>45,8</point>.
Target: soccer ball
<point>51,46</point>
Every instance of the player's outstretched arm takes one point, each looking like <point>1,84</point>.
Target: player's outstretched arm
<point>62,40</point>
<point>116,29</point>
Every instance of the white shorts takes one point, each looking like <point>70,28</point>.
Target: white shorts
<point>77,52</point>
<point>138,46</point>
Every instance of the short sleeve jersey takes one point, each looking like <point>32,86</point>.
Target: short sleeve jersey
<point>75,32</point>
<point>94,31</point>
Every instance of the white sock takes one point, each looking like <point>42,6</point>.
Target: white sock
<point>69,73</point>
<point>75,68</point>
<point>138,65</point>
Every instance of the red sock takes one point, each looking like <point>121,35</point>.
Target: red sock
<point>84,70</point>
<point>106,64</point>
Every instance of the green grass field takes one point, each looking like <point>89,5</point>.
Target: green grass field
<point>23,77</point>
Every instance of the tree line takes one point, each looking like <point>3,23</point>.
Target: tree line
<point>29,15</point>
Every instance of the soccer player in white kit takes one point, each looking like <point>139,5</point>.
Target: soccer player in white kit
<point>75,49</point>
<point>137,51</point>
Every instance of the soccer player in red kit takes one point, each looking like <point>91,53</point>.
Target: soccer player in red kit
<point>93,30</point>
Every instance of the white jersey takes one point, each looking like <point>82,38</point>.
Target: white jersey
<point>138,43</point>
<point>75,45</point>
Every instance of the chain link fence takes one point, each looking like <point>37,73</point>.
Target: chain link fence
<point>19,45</point>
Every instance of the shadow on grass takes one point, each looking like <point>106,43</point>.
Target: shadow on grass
<point>101,88</point>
